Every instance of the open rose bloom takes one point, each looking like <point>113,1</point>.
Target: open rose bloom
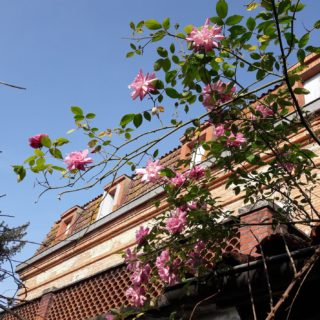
<point>264,110</point>
<point>151,173</point>
<point>206,37</point>
<point>77,160</point>
<point>142,85</point>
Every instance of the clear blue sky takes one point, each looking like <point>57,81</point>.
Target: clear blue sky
<point>70,53</point>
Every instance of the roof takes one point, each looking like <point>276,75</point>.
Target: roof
<point>89,211</point>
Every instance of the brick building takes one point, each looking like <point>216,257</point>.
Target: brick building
<point>78,272</point>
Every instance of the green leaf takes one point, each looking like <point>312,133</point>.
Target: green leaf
<point>40,163</point>
<point>30,160</point>
<point>60,141</point>
<point>147,115</point>
<point>20,171</point>
<point>59,169</point>
<point>217,20</point>
<point>166,23</point>
<point>130,54</point>
<point>301,91</point>
<point>79,117</point>
<point>45,141</point>
<point>308,153</point>
<point>76,110</point>
<point>90,116</point>
<point>38,153</point>
<point>301,56</point>
<point>297,7</point>
<point>232,20</point>
<point>70,131</point>
<point>155,153</point>
<point>167,173</point>
<point>166,64</point>
<point>107,142</point>
<point>317,24</point>
<point>127,135</point>
<point>126,119</point>
<point>187,29</point>
<point>92,143</point>
<point>222,8</point>
<point>304,40</point>
<point>162,52</point>
<point>251,23</point>
<point>252,6</point>
<point>158,36</point>
<point>56,153</point>
<point>172,48</point>
<point>172,93</point>
<point>152,24</point>
<point>137,120</point>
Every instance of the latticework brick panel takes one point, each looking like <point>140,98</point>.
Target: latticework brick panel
<point>27,311</point>
<point>93,296</point>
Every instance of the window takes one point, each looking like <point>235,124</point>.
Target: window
<point>67,223</point>
<point>197,156</point>
<point>108,201</point>
<point>313,85</point>
<point>67,227</point>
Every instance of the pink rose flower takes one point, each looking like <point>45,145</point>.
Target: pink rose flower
<point>195,256</point>
<point>219,131</point>
<point>216,94</point>
<point>136,296</point>
<point>109,317</point>
<point>196,173</point>
<point>35,141</point>
<point>141,233</point>
<point>151,173</point>
<point>164,271</point>
<point>142,85</point>
<point>265,111</point>
<point>177,222</point>
<point>199,246</point>
<point>285,163</point>
<point>131,259</point>
<point>206,37</point>
<point>77,160</point>
<point>288,166</point>
<point>141,274</point>
<point>233,140</point>
<point>191,205</point>
<point>178,180</point>
<point>236,140</point>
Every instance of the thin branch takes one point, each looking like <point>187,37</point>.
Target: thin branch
<point>309,264</point>
<point>201,301</point>
<point>12,85</point>
<point>265,269</point>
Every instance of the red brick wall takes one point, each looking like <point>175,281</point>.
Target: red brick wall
<point>249,234</point>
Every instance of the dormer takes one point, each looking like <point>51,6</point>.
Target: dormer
<point>67,222</point>
<point>114,195</point>
<point>192,149</point>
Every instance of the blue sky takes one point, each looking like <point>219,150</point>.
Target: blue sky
<point>70,53</point>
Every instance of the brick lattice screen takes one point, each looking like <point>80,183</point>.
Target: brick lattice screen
<point>27,311</point>
<point>93,296</point>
